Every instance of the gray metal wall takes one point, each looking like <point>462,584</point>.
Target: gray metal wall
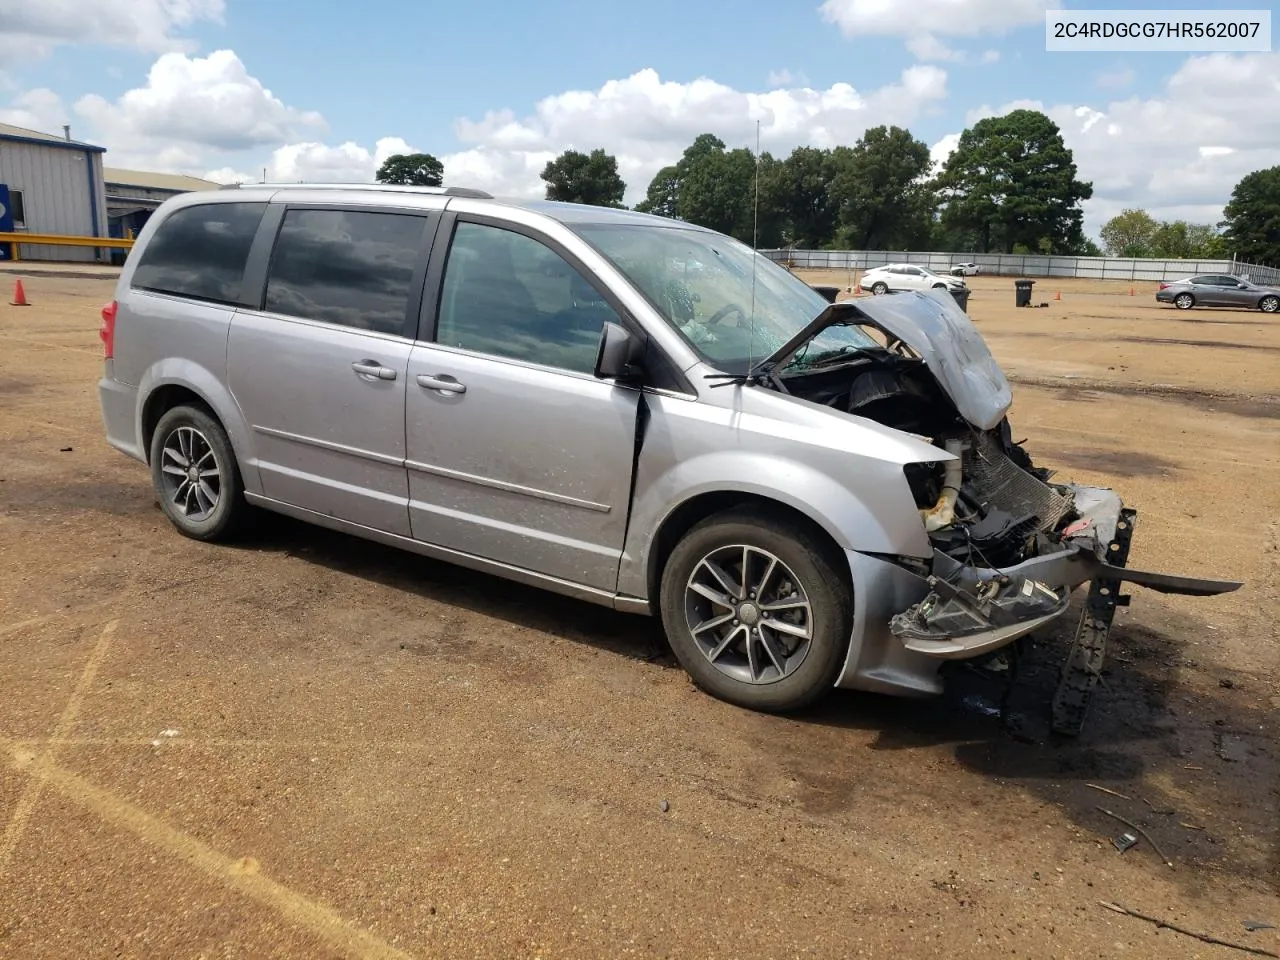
<point>61,189</point>
<point>999,264</point>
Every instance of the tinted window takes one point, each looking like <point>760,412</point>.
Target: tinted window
<point>510,295</point>
<point>200,252</point>
<point>17,206</point>
<point>1203,280</point>
<point>338,266</point>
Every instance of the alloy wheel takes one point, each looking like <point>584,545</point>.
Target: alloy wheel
<point>748,614</point>
<point>191,474</point>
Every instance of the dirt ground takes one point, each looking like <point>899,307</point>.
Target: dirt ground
<point>310,746</point>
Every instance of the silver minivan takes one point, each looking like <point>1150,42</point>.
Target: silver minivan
<point>623,408</point>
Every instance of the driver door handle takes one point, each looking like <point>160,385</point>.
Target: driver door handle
<point>443,383</point>
<point>373,370</point>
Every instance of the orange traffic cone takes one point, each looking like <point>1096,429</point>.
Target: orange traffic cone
<point>19,295</point>
<point>1131,291</point>
<point>1058,295</point>
<point>857,288</point>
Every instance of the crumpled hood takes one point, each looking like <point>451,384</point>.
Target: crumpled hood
<point>933,325</point>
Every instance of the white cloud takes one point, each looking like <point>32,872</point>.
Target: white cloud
<point>941,150</point>
<point>957,18</point>
<point>921,22</point>
<point>192,105</point>
<point>785,78</point>
<point>647,122</point>
<point>1143,152</point>
<point>32,28</point>
<point>39,109</point>
<point>925,46</point>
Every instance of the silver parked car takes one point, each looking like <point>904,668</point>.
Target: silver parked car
<point>810,495</point>
<point>1219,290</point>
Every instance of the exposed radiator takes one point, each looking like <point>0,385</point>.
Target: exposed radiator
<point>1000,482</point>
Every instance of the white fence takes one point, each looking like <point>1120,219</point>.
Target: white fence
<point>1017,265</point>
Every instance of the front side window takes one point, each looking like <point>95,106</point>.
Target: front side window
<point>733,306</point>
<point>346,267</point>
<point>200,252</point>
<point>509,295</point>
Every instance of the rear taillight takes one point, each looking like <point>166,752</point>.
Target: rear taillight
<point>1164,286</point>
<point>108,329</point>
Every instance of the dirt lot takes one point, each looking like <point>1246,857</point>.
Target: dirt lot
<point>309,746</point>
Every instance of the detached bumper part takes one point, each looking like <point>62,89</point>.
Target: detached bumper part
<point>956,622</point>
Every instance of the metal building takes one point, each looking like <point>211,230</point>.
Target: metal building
<point>51,185</point>
<point>132,196</point>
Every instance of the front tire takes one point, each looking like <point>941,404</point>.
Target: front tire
<point>880,288</point>
<point>1269,304</point>
<point>758,610</point>
<point>1184,301</point>
<point>195,475</point>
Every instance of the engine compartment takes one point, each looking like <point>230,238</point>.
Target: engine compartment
<point>991,507</point>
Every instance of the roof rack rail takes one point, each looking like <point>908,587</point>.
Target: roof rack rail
<point>392,187</point>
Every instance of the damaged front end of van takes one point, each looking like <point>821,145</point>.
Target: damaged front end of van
<point>1010,544</point>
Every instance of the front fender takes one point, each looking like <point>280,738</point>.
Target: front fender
<point>176,371</point>
<point>881,517</point>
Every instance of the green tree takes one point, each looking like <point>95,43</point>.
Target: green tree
<point>663,192</point>
<point>1180,240</point>
<point>585,178</point>
<point>802,196</point>
<point>716,191</point>
<point>663,196</point>
<point>1130,233</point>
<point>417,169</point>
<point>879,189</point>
<point>716,188</point>
<point>1012,180</point>
<point>1252,218</point>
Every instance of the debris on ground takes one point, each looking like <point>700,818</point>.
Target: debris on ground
<point>1202,937</point>
<point>1125,841</point>
<point>1129,823</point>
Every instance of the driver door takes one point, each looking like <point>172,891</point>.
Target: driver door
<point>517,453</point>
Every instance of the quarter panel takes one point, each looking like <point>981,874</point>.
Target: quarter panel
<point>211,386</point>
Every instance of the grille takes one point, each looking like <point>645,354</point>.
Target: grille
<point>1000,482</point>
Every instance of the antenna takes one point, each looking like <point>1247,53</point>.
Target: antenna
<point>755,240</point>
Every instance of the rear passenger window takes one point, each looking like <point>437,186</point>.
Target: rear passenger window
<point>345,267</point>
<point>512,296</point>
<point>200,252</point>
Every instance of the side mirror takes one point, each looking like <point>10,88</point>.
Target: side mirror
<point>620,353</point>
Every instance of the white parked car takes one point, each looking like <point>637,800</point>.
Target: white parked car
<point>965,270</point>
<point>907,276</point>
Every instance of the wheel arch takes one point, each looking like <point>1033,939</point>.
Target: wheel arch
<point>688,514</point>
<point>175,381</point>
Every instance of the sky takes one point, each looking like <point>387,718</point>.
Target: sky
<point>319,90</point>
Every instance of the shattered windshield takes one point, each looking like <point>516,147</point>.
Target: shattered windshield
<point>702,285</point>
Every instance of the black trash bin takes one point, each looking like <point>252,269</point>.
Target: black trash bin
<point>961,296</point>
<point>830,293</point>
<point>1022,292</point>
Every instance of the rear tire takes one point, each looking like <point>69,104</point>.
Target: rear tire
<point>1269,304</point>
<point>880,288</point>
<point>1184,301</point>
<point>195,475</point>
<point>774,640</point>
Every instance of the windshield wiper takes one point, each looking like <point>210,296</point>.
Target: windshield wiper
<point>833,357</point>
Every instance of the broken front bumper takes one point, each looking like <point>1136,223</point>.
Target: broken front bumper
<point>971,611</point>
